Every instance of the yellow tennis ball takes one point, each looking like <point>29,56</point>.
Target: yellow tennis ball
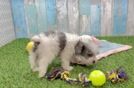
<point>30,46</point>
<point>97,78</point>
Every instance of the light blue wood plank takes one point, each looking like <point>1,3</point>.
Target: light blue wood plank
<point>31,18</point>
<point>84,24</point>
<point>42,15</point>
<point>120,17</point>
<point>95,2</point>
<point>95,27</point>
<point>51,12</point>
<point>84,7</point>
<point>130,20</point>
<point>62,21</point>
<point>19,18</point>
<point>106,17</point>
<point>124,15</point>
<point>84,10</point>
<point>73,16</point>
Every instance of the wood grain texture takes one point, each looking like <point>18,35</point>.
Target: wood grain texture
<point>106,17</point>
<point>73,16</point>
<point>95,2</point>
<point>19,18</point>
<point>95,17</point>
<point>84,7</point>
<point>62,18</point>
<point>95,20</point>
<point>120,17</point>
<point>7,32</point>
<point>84,24</point>
<point>84,10</point>
<point>51,13</point>
<point>31,17</point>
<point>130,20</point>
<point>41,15</point>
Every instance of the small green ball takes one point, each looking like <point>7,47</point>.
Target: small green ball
<point>97,78</point>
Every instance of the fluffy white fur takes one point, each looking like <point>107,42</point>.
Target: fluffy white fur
<point>78,59</point>
<point>49,48</point>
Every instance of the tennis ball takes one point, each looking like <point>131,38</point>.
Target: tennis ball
<point>97,78</point>
<point>30,46</point>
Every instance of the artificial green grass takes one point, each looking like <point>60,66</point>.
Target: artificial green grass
<point>15,70</point>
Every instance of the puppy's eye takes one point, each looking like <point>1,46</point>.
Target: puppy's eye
<point>90,54</point>
<point>36,44</point>
<point>93,62</point>
<point>83,48</point>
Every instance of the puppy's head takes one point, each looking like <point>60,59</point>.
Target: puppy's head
<point>36,38</point>
<point>36,42</point>
<point>85,52</point>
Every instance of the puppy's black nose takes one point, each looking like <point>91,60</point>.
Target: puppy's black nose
<point>93,62</point>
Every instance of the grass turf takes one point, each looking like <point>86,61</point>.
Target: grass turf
<point>15,70</point>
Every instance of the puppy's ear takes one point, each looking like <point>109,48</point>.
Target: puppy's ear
<point>35,39</point>
<point>79,47</point>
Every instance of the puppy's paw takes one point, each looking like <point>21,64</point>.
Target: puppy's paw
<point>69,68</point>
<point>41,74</point>
<point>35,69</point>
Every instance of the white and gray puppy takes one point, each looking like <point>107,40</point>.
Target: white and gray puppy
<point>69,47</point>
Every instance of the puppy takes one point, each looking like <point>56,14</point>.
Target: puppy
<point>69,47</point>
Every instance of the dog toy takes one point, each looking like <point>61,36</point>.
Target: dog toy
<point>54,74</point>
<point>65,75</point>
<point>30,46</point>
<point>117,75</point>
<point>82,79</point>
<point>97,78</point>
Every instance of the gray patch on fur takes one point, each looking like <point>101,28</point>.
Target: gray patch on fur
<point>62,40</point>
<point>83,50</point>
<point>36,44</point>
<point>50,33</point>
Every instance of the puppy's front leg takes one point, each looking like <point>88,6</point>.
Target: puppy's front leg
<point>32,61</point>
<point>43,64</point>
<point>66,62</point>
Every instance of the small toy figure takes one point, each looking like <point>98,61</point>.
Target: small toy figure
<point>117,75</point>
